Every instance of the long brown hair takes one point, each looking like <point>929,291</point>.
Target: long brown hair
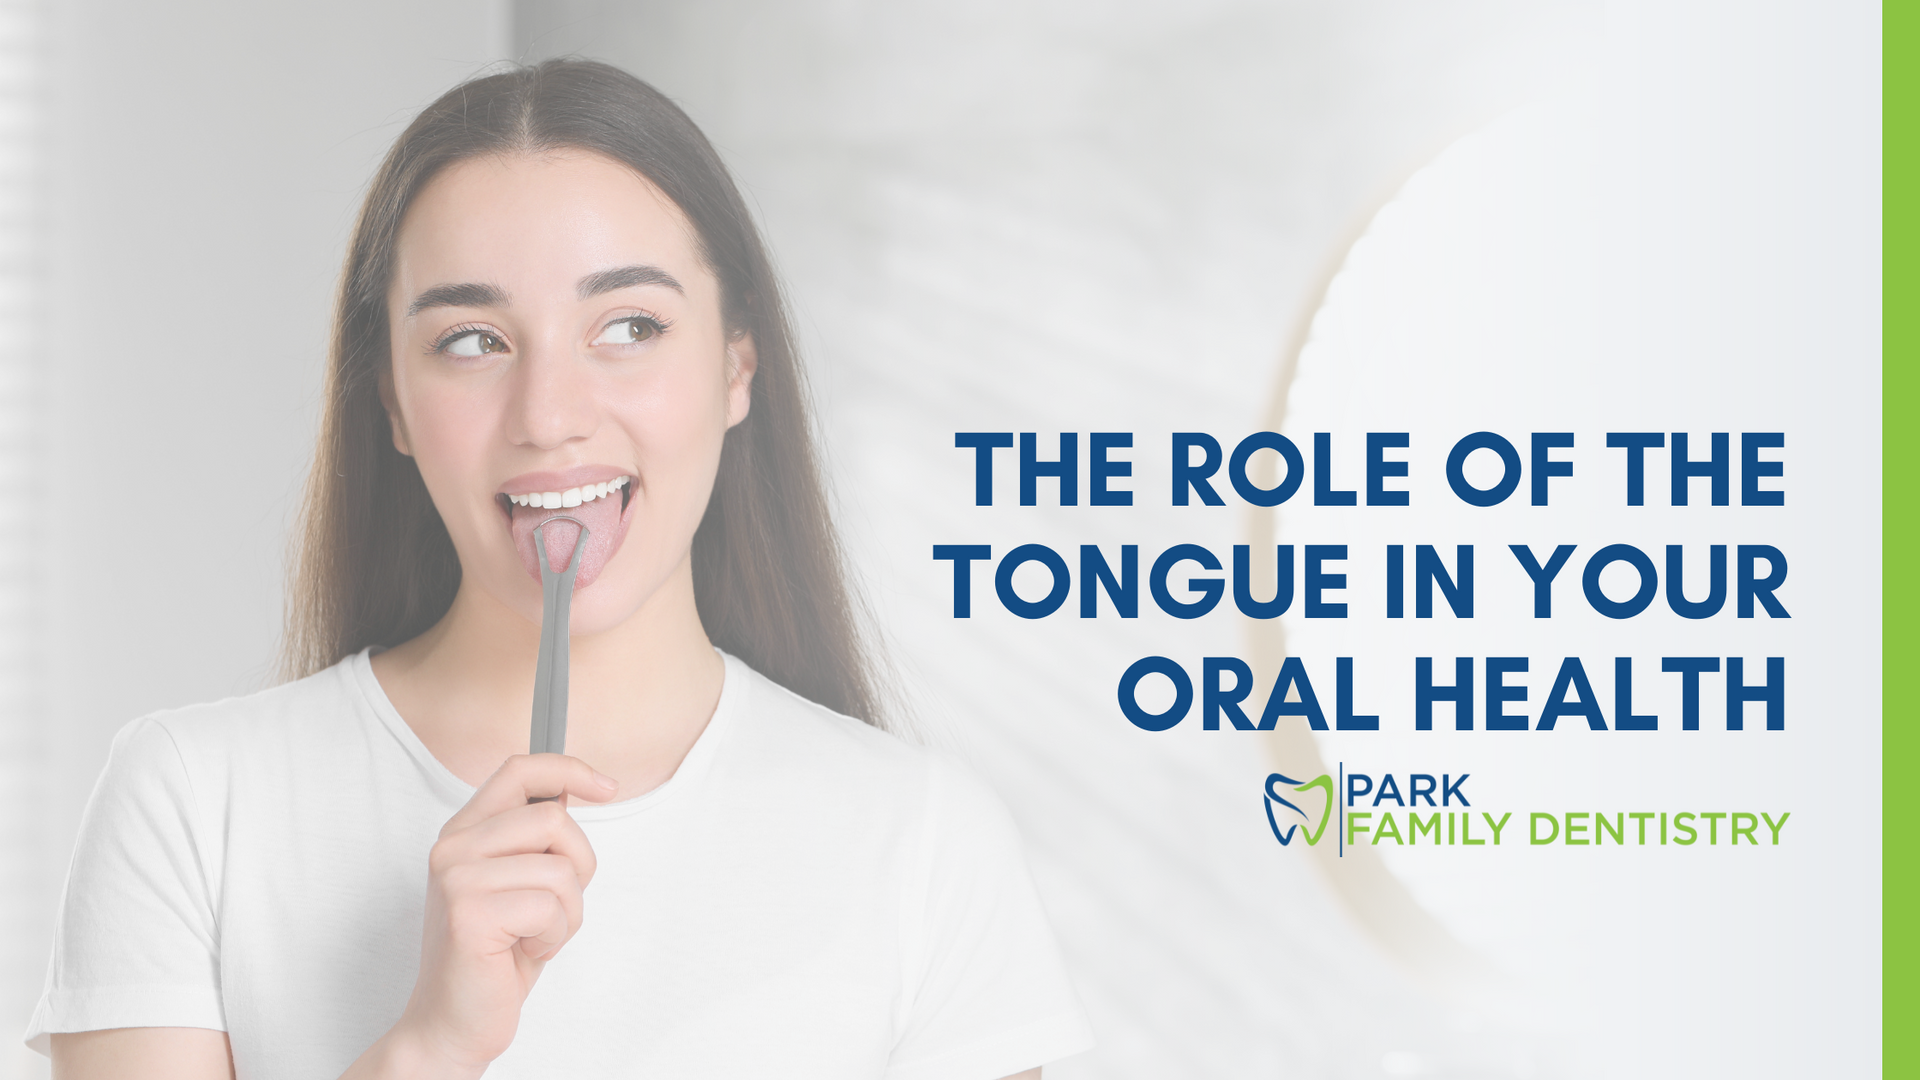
<point>375,565</point>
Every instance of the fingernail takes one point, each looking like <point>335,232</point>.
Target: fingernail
<point>605,781</point>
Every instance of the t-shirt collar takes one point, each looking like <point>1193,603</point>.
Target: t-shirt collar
<point>358,670</point>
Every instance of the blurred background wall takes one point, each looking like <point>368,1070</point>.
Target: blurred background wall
<point>195,168</point>
<point>1096,217</point>
<point>1036,216</point>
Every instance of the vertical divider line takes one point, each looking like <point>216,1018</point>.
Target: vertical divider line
<point>1899,523</point>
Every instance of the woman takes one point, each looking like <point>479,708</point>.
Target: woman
<point>555,302</point>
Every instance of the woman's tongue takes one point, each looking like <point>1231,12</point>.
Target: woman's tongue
<point>604,524</point>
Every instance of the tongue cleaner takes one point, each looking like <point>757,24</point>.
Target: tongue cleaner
<point>550,677</point>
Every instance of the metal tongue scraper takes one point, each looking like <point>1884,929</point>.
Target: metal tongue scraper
<point>550,677</point>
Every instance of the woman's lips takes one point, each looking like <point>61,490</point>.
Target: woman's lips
<point>606,520</point>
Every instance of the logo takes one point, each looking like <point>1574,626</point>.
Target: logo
<point>1323,782</point>
<point>1369,809</point>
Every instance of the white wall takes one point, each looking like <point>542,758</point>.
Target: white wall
<point>1052,216</point>
<point>23,875</point>
<point>1041,215</point>
<point>202,165</point>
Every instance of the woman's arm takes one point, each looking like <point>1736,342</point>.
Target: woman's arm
<point>155,1053</point>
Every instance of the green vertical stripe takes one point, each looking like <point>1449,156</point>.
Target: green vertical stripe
<point>1900,595</point>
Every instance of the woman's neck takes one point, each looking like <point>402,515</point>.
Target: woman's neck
<point>638,695</point>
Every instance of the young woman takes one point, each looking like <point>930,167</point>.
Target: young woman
<point>555,303</point>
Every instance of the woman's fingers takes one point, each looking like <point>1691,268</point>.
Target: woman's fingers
<point>529,828</point>
<point>505,886</point>
<point>542,927</point>
<point>533,776</point>
<point>498,899</point>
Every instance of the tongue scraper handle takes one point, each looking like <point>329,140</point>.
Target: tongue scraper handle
<point>550,677</point>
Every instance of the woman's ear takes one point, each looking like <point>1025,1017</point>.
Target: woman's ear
<point>742,361</point>
<point>388,402</point>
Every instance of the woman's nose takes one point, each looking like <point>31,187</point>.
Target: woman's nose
<point>554,399</point>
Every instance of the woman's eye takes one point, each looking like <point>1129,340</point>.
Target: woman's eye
<point>629,331</point>
<point>473,343</point>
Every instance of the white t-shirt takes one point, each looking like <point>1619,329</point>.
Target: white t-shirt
<point>806,897</point>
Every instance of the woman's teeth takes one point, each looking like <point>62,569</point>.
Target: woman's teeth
<point>555,500</point>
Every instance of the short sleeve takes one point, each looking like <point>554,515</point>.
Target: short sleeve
<point>989,994</point>
<point>136,944</point>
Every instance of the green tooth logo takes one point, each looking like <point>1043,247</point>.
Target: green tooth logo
<point>1323,782</point>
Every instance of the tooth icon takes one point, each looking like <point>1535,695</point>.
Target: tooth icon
<point>1322,782</point>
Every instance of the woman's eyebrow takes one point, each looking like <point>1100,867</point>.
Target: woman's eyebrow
<point>625,277</point>
<point>464,295</point>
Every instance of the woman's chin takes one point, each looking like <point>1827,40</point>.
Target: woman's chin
<point>598,607</point>
<point>590,618</point>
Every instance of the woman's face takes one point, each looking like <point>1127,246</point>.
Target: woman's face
<point>557,339</point>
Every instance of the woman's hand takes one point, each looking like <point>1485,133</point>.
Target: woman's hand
<point>503,895</point>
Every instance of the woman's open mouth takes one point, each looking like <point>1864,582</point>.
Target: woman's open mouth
<point>601,507</point>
